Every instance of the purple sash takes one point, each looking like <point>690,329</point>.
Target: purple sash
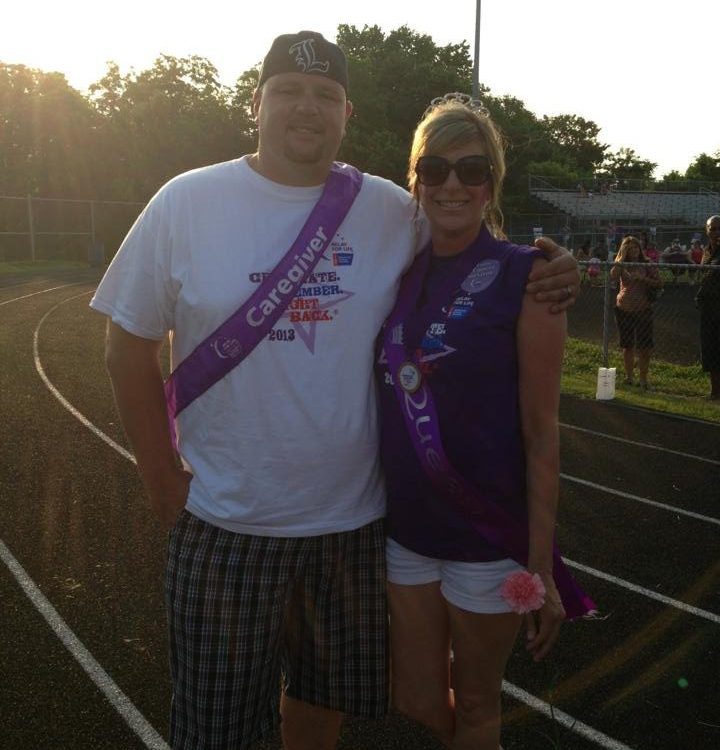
<point>489,519</point>
<point>234,339</point>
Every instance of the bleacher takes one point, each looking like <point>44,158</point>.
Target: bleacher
<point>690,208</point>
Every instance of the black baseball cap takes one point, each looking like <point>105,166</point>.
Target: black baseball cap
<point>305,52</point>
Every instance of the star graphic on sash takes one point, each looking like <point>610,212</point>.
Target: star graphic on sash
<point>308,331</point>
<point>438,353</point>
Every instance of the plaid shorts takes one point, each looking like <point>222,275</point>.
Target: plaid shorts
<point>249,614</point>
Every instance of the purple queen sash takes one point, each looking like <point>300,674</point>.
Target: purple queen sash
<point>233,340</point>
<point>492,521</point>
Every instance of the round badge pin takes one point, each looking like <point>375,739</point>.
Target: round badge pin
<point>409,377</point>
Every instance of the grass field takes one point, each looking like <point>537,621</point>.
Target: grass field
<point>675,389</point>
<point>30,268</point>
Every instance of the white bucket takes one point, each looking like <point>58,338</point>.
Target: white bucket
<point>605,384</point>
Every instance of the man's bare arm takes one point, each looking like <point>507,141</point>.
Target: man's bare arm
<point>558,281</point>
<point>134,367</point>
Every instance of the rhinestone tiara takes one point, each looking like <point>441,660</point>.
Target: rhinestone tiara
<point>458,97</point>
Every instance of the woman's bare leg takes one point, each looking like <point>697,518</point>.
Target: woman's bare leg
<point>629,362</point>
<point>643,364</point>
<point>420,662</point>
<point>481,644</point>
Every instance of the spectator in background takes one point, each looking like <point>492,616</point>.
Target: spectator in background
<point>696,256</point>
<point>582,256</point>
<point>696,252</point>
<point>583,252</point>
<point>634,307</point>
<point>652,253</point>
<point>676,256</point>
<point>708,301</point>
<point>593,270</point>
<point>649,248</point>
<point>600,251</point>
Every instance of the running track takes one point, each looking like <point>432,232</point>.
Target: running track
<point>83,649</point>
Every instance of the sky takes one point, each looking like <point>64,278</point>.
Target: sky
<point>644,71</point>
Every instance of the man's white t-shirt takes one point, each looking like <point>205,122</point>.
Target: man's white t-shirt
<point>286,444</point>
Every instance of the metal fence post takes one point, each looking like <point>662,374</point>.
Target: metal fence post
<point>32,229</point>
<point>606,312</point>
<point>92,222</point>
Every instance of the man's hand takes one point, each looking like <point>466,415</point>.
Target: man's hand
<point>557,281</point>
<point>134,367</point>
<point>168,495</point>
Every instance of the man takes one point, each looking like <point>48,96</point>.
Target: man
<point>276,557</point>
<point>676,256</point>
<point>708,300</point>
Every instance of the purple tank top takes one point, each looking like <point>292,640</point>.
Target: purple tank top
<point>469,355</point>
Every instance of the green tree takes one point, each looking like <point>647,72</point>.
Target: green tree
<point>561,173</point>
<point>393,77</point>
<point>162,121</point>
<point>47,135</point>
<point>526,143</point>
<point>673,176</point>
<point>241,114</point>
<point>576,140</point>
<point>625,164</point>
<point>705,168</point>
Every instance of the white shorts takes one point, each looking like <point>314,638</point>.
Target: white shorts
<point>473,586</point>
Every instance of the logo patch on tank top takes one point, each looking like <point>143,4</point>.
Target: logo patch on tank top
<point>480,278</point>
<point>433,338</point>
<point>461,306</point>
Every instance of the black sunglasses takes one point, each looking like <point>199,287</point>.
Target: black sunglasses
<point>470,170</point>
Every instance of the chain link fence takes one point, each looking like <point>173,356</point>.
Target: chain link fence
<point>33,229</point>
<point>593,335</point>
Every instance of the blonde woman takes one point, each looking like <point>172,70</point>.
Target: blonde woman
<point>639,281</point>
<point>469,378</point>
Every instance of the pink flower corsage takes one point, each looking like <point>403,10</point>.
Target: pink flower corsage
<point>523,591</point>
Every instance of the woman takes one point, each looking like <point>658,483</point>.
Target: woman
<point>649,249</point>
<point>639,282</point>
<point>469,376</point>
<point>696,255</point>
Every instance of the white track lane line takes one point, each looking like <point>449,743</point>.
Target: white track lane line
<point>703,613</point>
<point>78,415</point>
<point>645,500</point>
<point>641,445</point>
<point>107,686</point>
<point>576,726</point>
<point>43,291</point>
<point>565,719</point>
